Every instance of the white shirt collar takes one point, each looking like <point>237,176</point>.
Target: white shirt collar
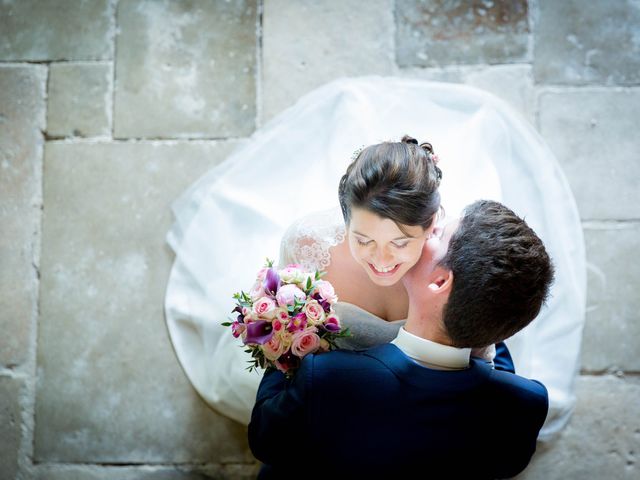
<point>431,354</point>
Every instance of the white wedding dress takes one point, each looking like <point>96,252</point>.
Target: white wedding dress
<point>234,217</point>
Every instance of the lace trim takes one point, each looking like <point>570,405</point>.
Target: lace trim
<point>308,240</point>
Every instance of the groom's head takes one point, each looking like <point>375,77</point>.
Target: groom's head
<point>485,277</point>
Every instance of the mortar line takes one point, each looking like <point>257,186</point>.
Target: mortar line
<point>142,140</point>
<point>47,62</point>
<point>259,61</point>
<point>124,465</point>
<point>26,452</point>
<point>114,4</point>
<point>618,373</point>
<point>533,11</point>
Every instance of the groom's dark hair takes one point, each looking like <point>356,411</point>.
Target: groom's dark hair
<point>501,276</point>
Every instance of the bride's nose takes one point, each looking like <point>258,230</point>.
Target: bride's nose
<point>383,256</point>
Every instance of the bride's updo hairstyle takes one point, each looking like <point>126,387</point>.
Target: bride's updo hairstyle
<point>394,180</point>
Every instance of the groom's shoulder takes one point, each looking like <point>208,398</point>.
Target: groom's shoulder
<point>348,360</point>
<point>518,388</point>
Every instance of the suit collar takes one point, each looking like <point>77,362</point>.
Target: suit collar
<point>431,354</point>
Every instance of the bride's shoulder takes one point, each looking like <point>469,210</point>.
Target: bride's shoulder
<point>308,239</point>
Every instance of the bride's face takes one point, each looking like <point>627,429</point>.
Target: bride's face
<point>381,248</point>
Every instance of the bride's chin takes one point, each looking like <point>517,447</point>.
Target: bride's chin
<point>384,281</point>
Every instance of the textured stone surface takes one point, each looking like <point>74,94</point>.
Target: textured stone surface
<point>22,111</point>
<point>612,333</point>
<point>308,43</point>
<point>602,439</point>
<point>56,30</point>
<point>79,100</point>
<point>10,430</point>
<point>110,388</point>
<point>591,133</point>
<point>222,472</point>
<point>185,68</point>
<point>597,42</point>
<point>511,83</point>
<point>444,32</point>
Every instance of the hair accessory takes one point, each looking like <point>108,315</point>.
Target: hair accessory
<point>356,153</point>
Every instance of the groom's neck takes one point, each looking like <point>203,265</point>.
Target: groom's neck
<point>426,323</point>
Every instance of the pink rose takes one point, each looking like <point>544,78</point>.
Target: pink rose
<point>305,342</point>
<point>314,311</point>
<point>282,314</point>
<point>326,291</point>
<point>273,348</point>
<point>265,307</point>
<point>288,293</point>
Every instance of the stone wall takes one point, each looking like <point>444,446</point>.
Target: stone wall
<point>110,108</point>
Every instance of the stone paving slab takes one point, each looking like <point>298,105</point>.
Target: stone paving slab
<point>611,339</point>
<point>221,472</point>
<point>22,112</point>
<point>595,42</point>
<point>602,440</point>
<point>31,30</point>
<point>592,134</point>
<point>185,68</point>
<point>446,32</point>
<point>109,387</point>
<point>10,425</point>
<point>308,43</point>
<point>79,100</point>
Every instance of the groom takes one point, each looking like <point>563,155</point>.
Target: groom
<point>421,403</point>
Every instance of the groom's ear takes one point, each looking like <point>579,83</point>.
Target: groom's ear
<point>441,281</point>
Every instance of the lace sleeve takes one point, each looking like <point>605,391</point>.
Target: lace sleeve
<point>307,240</point>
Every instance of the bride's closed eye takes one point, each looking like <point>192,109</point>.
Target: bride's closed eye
<point>360,242</point>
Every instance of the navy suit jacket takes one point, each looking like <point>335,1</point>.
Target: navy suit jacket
<point>376,413</point>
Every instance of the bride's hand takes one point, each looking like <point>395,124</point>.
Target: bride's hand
<point>485,353</point>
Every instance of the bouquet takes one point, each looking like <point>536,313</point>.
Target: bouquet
<point>287,314</point>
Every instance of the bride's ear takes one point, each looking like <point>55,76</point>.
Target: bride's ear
<point>441,281</point>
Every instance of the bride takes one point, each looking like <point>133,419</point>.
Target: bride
<point>236,215</point>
